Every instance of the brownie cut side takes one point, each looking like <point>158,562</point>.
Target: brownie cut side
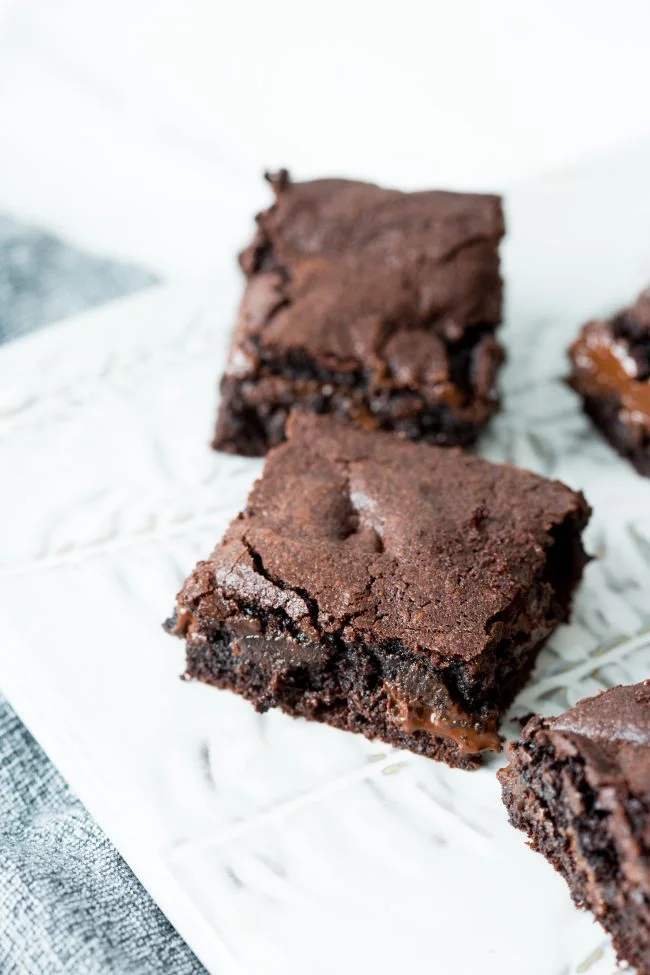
<point>611,372</point>
<point>375,306</point>
<point>385,587</point>
<point>579,786</point>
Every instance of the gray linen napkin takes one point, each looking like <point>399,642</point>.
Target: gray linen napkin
<point>68,902</point>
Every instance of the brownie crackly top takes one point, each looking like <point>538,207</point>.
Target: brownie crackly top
<point>340,268</point>
<point>379,539</point>
<point>611,732</point>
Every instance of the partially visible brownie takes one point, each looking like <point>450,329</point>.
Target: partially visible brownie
<point>377,306</point>
<point>385,587</point>
<point>579,787</point>
<point>611,371</point>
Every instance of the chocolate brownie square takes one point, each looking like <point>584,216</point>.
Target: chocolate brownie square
<point>611,372</point>
<point>377,306</point>
<point>385,587</point>
<point>579,786</point>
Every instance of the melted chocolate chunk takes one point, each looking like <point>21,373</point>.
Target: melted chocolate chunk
<point>376,306</point>
<point>611,371</point>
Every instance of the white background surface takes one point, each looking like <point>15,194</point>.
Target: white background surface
<point>273,845</point>
<point>140,129</point>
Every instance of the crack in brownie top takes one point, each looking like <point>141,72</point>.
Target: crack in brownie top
<point>376,539</point>
<point>338,269</point>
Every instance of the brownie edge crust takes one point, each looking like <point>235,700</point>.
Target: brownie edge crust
<point>385,587</point>
<point>579,786</point>
<point>372,305</point>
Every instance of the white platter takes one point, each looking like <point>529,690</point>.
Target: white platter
<point>274,845</point>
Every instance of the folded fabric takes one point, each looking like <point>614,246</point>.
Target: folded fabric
<point>68,901</point>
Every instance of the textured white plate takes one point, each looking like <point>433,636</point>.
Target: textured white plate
<point>274,845</point>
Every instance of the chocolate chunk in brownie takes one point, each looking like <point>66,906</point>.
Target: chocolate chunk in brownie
<point>377,306</point>
<point>579,786</point>
<point>385,587</point>
<point>611,371</point>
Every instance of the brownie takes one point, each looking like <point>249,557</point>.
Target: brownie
<point>611,372</point>
<point>385,587</point>
<point>579,786</point>
<point>374,305</point>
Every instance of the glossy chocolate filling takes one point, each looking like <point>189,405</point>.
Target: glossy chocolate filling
<point>603,367</point>
<point>448,721</point>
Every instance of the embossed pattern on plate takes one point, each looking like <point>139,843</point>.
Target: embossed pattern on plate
<point>274,845</point>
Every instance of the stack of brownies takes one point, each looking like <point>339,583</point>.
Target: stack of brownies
<point>382,580</point>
